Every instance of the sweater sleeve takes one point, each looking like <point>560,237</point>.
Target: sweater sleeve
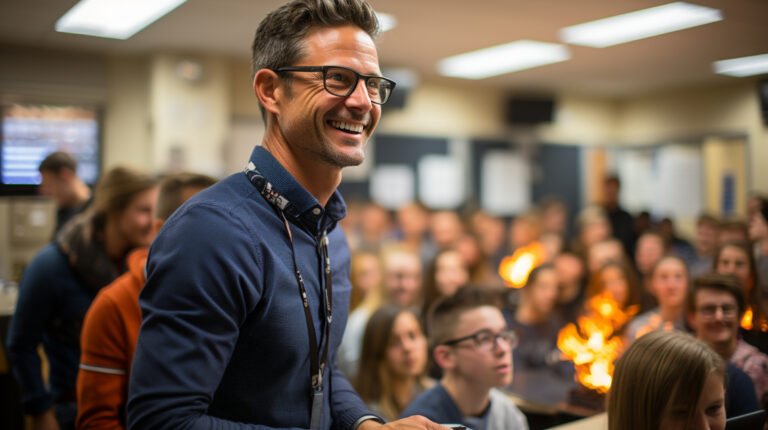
<point>102,380</point>
<point>34,310</point>
<point>200,288</point>
<point>347,407</point>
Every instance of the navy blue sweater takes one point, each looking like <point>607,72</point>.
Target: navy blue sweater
<point>224,341</point>
<point>50,310</point>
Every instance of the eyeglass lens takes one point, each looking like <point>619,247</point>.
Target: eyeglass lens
<point>711,310</point>
<point>342,82</point>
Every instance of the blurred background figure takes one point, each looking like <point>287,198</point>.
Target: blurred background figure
<point>111,326</point>
<point>622,223</point>
<point>554,216</point>
<point>413,226</point>
<point>570,277</point>
<point>375,227</point>
<point>62,280</point>
<point>524,230</point>
<point>619,280</point>
<point>705,245</point>
<point>758,233</point>
<point>668,282</point>
<point>667,380</point>
<point>445,275</point>
<point>674,243</point>
<point>445,228</point>
<point>604,251</point>
<point>733,231</point>
<point>491,233</point>
<point>650,249</point>
<point>401,285</point>
<point>365,276</point>
<point>593,226</point>
<point>714,308</point>
<point>735,258</point>
<point>392,362</point>
<point>536,321</point>
<point>59,180</point>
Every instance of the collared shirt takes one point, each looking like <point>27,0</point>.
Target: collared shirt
<point>224,340</point>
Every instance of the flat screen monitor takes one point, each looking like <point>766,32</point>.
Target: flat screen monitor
<point>32,131</point>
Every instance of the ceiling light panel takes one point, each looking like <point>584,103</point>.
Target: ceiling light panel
<point>639,25</point>
<point>744,66</point>
<point>501,59</point>
<point>115,19</point>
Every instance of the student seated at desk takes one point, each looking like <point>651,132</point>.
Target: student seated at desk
<point>473,346</point>
<point>667,380</point>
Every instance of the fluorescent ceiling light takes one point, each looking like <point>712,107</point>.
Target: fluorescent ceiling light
<point>744,66</point>
<point>116,19</point>
<point>386,21</point>
<point>639,25</point>
<point>507,58</point>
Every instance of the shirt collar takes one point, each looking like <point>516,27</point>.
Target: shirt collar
<point>309,212</point>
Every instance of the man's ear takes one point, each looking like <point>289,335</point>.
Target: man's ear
<point>444,357</point>
<point>266,86</point>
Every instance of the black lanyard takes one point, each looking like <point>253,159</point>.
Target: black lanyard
<point>317,362</point>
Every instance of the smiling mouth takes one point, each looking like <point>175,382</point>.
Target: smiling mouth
<point>347,127</point>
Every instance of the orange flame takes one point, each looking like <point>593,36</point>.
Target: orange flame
<point>748,324</point>
<point>591,346</point>
<point>515,269</point>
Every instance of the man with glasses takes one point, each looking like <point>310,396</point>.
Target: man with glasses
<point>473,346</point>
<point>248,287</point>
<point>715,307</point>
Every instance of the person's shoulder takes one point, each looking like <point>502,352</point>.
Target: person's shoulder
<point>434,403</point>
<point>504,409</point>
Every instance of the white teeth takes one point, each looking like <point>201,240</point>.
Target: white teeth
<point>357,128</point>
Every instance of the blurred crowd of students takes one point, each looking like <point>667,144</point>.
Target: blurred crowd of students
<point>412,257</point>
<point>419,278</point>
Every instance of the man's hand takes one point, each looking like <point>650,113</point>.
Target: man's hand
<point>45,421</point>
<point>410,423</point>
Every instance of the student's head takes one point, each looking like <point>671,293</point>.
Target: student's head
<point>541,290</point>
<point>445,228</point>
<point>124,204</point>
<point>448,272</point>
<point>394,349</point>
<point>735,258</point>
<point>593,225</point>
<point>707,230</point>
<point>618,279</point>
<point>667,380</point>
<point>715,305</point>
<point>524,229</point>
<point>365,275</point>
<point>733,231</point>
<point>402,276</point>
<point>650,248</point>
<point>413,219</point>
<point>611,186</point>
<point>758,222</point>
<point>604,251</point>
<point>470,339</point>
<point>57,178</point>
<point>178,188</point>
<point>570,276</point>
<point>669,282</point>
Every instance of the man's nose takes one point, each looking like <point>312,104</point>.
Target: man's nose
<point>360,98</point>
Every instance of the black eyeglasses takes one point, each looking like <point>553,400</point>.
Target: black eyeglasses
<point>486,339</point>
<point>342,81</point>
<point>728,310</point>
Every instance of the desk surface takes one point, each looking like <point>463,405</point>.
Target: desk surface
<point>546,391</point>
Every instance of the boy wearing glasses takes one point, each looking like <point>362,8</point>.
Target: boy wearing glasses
<point>715,307</point>
<point>473,346</point>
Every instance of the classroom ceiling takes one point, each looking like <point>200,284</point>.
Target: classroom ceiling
<point>429,30</point>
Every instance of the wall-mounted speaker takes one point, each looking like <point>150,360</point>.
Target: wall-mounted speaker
<point>529,110</point>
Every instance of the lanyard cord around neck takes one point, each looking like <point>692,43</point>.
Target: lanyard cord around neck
<point>317,362</point>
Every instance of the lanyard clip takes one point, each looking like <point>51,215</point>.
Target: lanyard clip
<point>317,380</point>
